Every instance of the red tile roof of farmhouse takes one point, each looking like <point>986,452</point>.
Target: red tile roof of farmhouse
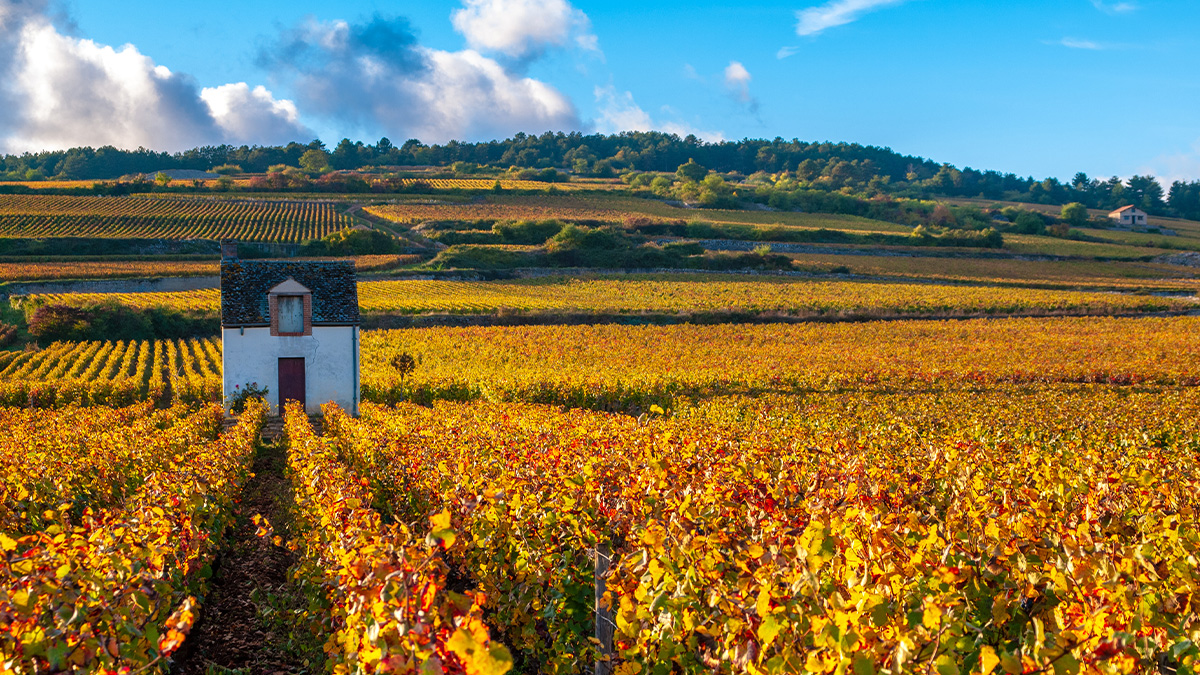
<point>1124,209</point>
<point>246,283</point>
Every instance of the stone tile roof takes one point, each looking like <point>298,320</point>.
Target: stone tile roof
<point>245,284</point>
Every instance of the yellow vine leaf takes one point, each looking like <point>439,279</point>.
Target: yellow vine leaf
<point>988,660</point>
<point>470,644</point>
<point>768,631</point>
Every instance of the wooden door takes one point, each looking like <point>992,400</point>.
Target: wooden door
<point>291,381</point>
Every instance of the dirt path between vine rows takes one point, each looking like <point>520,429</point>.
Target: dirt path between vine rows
<point>245,624</point>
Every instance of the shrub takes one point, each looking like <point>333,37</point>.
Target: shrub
<point>237,401</point>
<point>113,321</point>
<point>60,322</point>
<point>528,231</point>
<point>352,241</point>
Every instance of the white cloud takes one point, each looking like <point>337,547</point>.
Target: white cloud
<point>466,94</point>
<point>59,92</point>
<point>1180,166</point>
<point>785,52</point>
<point>1075,43</point>
<point>1089,45</point>
<point>523,28</point>
<point>619,112</point>
<point>737,84</point>
<point>815,20</point>
<point>1115,7</point>
<point>376,77</point>
<point>737,80</point>
<point>251,116</point>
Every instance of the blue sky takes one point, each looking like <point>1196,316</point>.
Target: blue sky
<point>1036,88</point>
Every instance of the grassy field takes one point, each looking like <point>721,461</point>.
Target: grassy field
<point>1061,273</point>
<point>1030,244</point>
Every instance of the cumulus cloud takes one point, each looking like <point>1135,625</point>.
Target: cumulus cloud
<point>816,20</point>
<point>253,115</point>
<point>59,91</point>
<point>738,78</point>
<point>375,76</point>
<point>523,28</point>
<point>737,83</point>
<point>619,112</point>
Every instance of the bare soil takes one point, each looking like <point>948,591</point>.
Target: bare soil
<point>244,625</point>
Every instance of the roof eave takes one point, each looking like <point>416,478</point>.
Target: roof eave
<point>315,324</point>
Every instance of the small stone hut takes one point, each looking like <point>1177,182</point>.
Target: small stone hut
<point>292,327</point>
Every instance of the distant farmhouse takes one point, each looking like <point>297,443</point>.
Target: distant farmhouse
<point>292,327</point>
<point>1129,216</point>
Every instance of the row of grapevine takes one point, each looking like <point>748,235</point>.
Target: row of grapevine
<point>1051,529</point>
<point>634,367</point>
<point>573,209</point>
<point>115,590</point>
<point>105,269</point>
<point>133,217</point>
<point>689,293</point>
<point>489,184</point>
<point>382,589</point>
<point>56,464</point>
<point>112,373</point>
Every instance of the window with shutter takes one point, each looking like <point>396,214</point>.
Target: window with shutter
<point>291,314</point>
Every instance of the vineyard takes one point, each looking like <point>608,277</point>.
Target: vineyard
<point>614,367</point>
<point>686,294</point>
<point>983,496</point>
<point>108,574</point>
<point>610,208</point>
<point>793,535</point>
<point>476,184</point>
<point>103,269</point>
<point>151,218</point>
<point>112,373</point>
<point>116,269</point>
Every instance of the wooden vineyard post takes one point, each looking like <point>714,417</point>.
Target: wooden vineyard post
<point>605,627</point>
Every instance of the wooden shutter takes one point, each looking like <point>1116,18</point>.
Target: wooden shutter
<point>291,314</point>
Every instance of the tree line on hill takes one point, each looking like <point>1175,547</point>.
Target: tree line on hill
<point>846,167</point>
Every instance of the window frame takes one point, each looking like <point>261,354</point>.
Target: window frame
<point>276,317</point>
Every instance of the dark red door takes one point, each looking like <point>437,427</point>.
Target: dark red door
<point>291,381</point>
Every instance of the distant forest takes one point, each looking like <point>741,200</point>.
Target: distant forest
<point>846,167</point>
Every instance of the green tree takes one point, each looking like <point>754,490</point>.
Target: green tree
<point>691,171</point>
<point>1145,192</point>
<point>1074,214</point>
<point>162,179</point>
<point>315,161</point>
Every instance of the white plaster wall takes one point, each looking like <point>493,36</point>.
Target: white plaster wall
<point>330,363</point>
